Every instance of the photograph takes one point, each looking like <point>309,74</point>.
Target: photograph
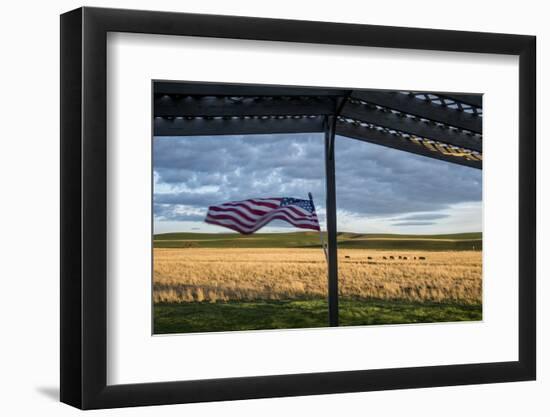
<point>300,202</point>
<point>252,182</point>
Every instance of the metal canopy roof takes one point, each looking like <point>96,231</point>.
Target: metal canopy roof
<point>443,126</point>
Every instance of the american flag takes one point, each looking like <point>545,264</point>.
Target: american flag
<point>248,216</point>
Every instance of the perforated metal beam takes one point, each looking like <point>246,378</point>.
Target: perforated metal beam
<point>173,106</point>
<point>399,143</point>
<point>410,125</point>
<point>412,105</point>
<point>240,126</point>
<point>470,99</point>
<point>216,89</point>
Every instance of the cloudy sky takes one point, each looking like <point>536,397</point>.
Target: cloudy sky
<point>378,190</point>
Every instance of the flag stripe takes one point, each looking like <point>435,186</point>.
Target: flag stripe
<point>259,204</point>
<point>244,214</point>
<point>299,211</point>
<point>262,221</point>
<point>252,211</point>
<point>252,206</point>
<point>247,230</point>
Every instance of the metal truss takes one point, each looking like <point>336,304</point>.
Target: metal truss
<point>444,126</point>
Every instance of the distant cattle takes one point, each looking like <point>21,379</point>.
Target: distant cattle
<point>347,257</point>
<point>422,258</point>
<point>369,257</point>
<point>400,257</point>
<point>383,257</point>
<point>404,257</point>
<point>391,257</point>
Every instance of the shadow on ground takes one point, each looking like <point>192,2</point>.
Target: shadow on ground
<point>50,392</point>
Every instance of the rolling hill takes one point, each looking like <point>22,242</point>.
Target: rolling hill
<point>461,241</point>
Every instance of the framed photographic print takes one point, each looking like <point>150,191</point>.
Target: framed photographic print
<point>257,208</point>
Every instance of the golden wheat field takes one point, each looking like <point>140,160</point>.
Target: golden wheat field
<point>215,275</point>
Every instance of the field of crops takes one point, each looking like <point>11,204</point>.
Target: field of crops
<point>205,289</point>
<point>218,275</point>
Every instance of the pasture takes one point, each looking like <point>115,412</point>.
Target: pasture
<point>305,240</point>
<point>219,283</point>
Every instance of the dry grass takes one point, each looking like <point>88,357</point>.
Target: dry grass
<point>186,275</point>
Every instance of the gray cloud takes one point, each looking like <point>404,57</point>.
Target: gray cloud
<point>195,172</point>
<point>175,213</point>
<point>423,216</point>
<point>203,171</point>
<point>413,223</point>
<point>375,180</point>
<point>185,198</point>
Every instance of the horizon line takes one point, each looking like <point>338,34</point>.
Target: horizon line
<point>313,231</point>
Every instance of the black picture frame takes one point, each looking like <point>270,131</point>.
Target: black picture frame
<point>84,208</point>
